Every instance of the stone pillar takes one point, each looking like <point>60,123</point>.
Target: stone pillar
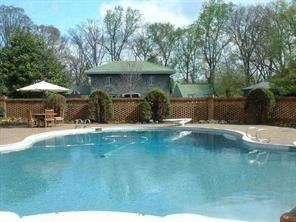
<point>210,107</point>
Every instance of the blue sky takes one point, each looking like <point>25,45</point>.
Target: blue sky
<point>65,14</point>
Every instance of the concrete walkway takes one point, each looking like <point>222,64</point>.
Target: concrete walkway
<point>279,135</point>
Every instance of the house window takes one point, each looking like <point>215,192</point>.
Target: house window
<point>108,81</point>
<point>150,81</point>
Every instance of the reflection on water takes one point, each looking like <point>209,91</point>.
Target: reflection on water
<point>156,173</point>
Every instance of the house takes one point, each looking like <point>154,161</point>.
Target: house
<point>129,78</point>
<point>263,85</point>
<point>193,90</point>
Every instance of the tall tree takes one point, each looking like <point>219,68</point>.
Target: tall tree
<point>88,39</point>
<point>120,26</point>
<point>86,50</point>
<point>164,38</point>
<point>212,22</point>
<point>246,30</point>
<point>142,45</point>
<point>77,65</point>
<point>230,77</point>
<point>12,19</point>
<point>53,40</point>
<point>188,53</point>
<point>284,82</point>
<point>282,16</point>
<point>27,59</point>
<point>93,36</point>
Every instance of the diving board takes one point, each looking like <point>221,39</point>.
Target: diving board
<point>181,121</point>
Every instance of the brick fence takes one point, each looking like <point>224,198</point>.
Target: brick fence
<point>127,110</point>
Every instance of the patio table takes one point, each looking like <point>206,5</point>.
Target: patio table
<point>40,117</point>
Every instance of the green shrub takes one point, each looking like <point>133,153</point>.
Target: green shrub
<point>100,107</point>
<point>159,104</point>
<point>11,122</point>
<point>145,112</point>
<point>261,103</point>
<point>2,111</point>
<point>56,102</point>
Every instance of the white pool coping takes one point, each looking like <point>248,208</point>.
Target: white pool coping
<point>30,140</point>
<point>90,216</point>
<point>106,216</point>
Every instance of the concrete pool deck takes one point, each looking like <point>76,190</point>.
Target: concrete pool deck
<point>277,135</point>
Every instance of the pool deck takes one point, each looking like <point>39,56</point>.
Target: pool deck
<point>277,135</point>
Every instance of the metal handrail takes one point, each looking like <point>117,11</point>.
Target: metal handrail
<point>248,132</point>
<point>259,136</point>
<point>77,122</point>
<point>86,122</point>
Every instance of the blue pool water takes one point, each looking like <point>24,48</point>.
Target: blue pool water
<point>150,172</point>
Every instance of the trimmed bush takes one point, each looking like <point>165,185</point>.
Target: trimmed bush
<point>2,112</point>
<point>159,104</point>
<point>145,112</point>
<point>56,102</point>
<point>261,103</point>
<point>100,107</point>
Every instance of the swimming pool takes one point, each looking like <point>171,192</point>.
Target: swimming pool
<point>156,172</point>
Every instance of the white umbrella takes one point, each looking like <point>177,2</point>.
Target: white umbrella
<point>43,87</point>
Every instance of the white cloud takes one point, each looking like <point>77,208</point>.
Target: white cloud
<point>153,10</point>
<point>178,12</point>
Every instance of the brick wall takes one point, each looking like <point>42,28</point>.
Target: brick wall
<point>286,109</point>
<point>127,110</point>
<point>19,107</point>
<point>76,109</point>
<point>197,109</point>
<point>231,109</point>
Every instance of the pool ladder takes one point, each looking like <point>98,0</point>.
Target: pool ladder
<point>79,123</point>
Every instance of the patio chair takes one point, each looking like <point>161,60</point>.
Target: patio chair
<point>31,121</point>
<point>49,117</point>
<point>60,118</point>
